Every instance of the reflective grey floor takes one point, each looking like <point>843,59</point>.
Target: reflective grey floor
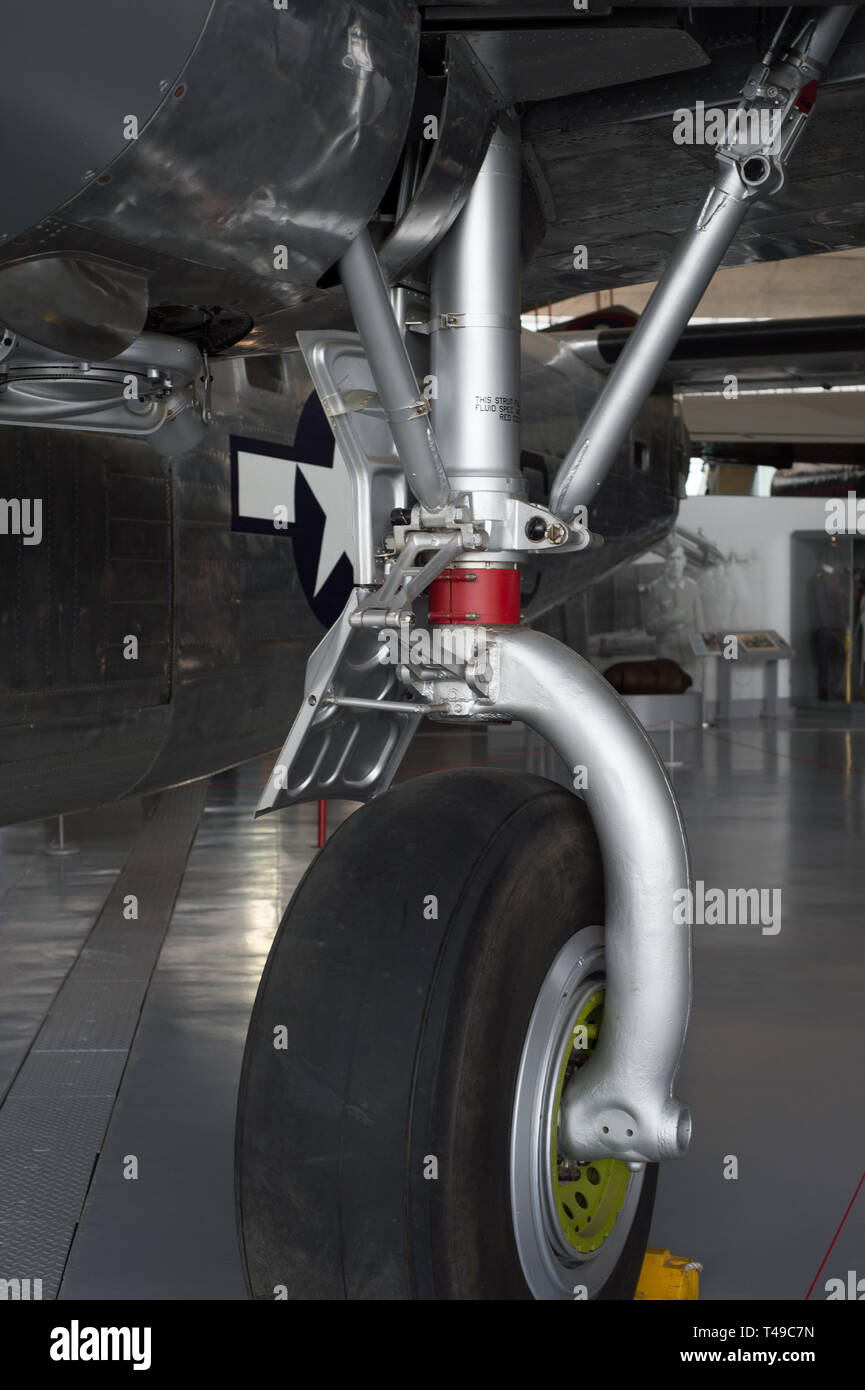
<point>776,1052</point>
<point>47,906</point>
<point>169,1233</point>
<point>772,1070</point>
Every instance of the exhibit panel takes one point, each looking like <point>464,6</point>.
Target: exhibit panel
<point>752,569</point>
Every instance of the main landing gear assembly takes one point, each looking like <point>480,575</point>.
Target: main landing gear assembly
<point>458,1079</point>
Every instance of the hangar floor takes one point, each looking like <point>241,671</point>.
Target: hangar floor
<point>122,1041</point>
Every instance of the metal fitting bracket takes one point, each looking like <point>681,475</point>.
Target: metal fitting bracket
<point>445,321</point>
<point>157,388</point>
<point>356,721</point>
<point>504,527</point>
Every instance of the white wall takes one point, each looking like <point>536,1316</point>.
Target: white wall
<point>757,531</point>
<point>802,287</point>
<point>789,417</point>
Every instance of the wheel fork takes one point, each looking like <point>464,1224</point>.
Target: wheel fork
<point>620,1103</point>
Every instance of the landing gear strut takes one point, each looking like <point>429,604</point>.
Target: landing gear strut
<point>459,1074</point>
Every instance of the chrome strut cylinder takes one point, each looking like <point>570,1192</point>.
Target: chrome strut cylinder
<point>475,327</point>
<point>620,1102</point>
<point>780,88</point>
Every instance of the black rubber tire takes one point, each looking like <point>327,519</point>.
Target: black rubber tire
<point>403,1038</point>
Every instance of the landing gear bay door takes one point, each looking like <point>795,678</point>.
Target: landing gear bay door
<point>334,749</point>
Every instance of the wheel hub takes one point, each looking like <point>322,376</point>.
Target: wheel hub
<point>588,1197</point>
<point>571,1219</point>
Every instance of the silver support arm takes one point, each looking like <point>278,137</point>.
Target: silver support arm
<point>475,326</point>
<point>620,1102</point>
<point>407,411</point>
<point>684,283</point>
<point>743,170</point>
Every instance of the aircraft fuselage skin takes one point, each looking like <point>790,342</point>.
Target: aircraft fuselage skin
<point>226,156</point>
<point>135,545</point>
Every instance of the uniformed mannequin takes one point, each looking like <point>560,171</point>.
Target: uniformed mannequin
<point>831,605</point>
<point>672,611</point>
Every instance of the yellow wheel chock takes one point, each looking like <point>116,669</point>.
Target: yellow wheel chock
<point>666,1276</point>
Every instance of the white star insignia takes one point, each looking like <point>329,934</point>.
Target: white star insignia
<point>332,490</point>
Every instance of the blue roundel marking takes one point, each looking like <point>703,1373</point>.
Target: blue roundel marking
<point>313,443</point>
<point>317,500</point>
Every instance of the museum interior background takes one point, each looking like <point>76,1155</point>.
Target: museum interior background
<point>751,555</point>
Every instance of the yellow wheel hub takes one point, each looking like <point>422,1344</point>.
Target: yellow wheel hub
<point>588,1196</point>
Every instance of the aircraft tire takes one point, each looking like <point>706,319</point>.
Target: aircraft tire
<point>415,1011</point>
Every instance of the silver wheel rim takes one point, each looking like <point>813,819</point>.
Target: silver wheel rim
<point>553,1269</point>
